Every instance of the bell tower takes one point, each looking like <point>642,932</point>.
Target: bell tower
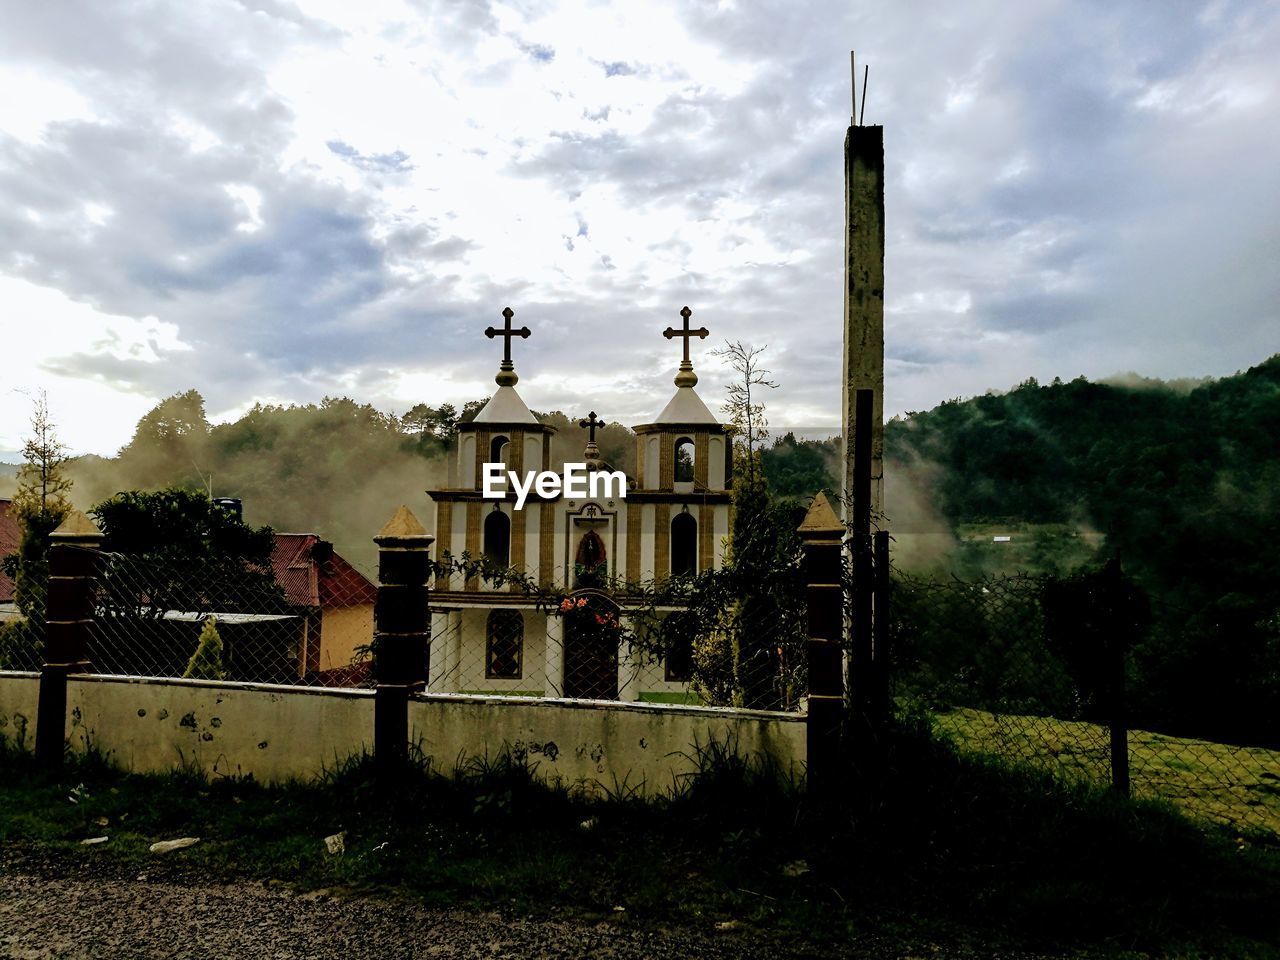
<point>684,476</point>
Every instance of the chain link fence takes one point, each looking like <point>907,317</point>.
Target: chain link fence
<point>594,645</point>
<point>289,623</point>
<point>22,630</point>
<point>1036,670</point>
<point>308,619</point>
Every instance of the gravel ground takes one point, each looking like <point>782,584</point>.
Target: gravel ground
<point>99,914</point>
<point>42,918</point>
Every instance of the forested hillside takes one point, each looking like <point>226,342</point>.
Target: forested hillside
<point>1184,485</point>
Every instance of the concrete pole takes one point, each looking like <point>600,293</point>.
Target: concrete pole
<point>863,367</point>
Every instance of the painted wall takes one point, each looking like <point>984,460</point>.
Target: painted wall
<point>471,668</point>
<point>277,733</point>
<point>274,733</point>
<point>19,694</point>
<point>597,745</point>
<point>343,629</point>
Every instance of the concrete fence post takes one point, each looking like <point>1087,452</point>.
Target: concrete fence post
<point>73,579</point>
<point>402,628</point>
<point>821,534</point>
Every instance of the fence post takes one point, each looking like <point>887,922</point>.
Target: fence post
<point>1116,639</point>
<point>73,572</point>
<point>402,626</point>
<point>821,533</point>
<point>862,682</point>
<point>880,706</point>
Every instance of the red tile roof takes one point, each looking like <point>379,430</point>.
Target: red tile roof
<point>312,575</point>
<point>10,534</point>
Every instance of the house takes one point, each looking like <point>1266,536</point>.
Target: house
<point>671,518</point>
<point>338,599</point>
<point>10,534</point>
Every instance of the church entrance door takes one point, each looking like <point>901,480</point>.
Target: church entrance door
<point>591,639</point>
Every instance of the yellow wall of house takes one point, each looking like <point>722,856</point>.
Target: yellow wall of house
<point>342,629</point>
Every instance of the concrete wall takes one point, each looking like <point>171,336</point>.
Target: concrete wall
<point>274,733</point>
<point>278,733</point>
<point>19,694</point>
<point>596,744</point>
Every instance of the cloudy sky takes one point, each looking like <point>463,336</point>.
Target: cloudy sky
<point>271,201</point>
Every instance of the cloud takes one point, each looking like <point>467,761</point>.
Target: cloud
<point>340,200</point>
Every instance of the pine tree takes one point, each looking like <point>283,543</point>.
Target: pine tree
<point>206,662</point>
<point>39,505</point>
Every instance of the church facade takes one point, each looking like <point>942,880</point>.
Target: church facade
<point>674,519</point>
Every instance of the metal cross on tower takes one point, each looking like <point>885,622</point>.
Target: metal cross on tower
<point>507,370</point>
<point>671,333</point>
<point>507,332</point>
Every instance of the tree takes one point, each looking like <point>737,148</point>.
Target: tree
<point>175,550</point>
<point>744,407</point>
<point>763,545</point>
<point>170,441</point>
<point>206,662</point>
<point>39,505</point>
<point>432,423</point>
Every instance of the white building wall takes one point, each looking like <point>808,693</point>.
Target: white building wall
<point>467,462</point>
<point>720,533</point>
<point>648,519</point>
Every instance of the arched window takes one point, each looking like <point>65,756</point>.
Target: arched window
<point>498,449</point>
<point>497,538</point>
<point>684,544</point>
<point>504,645</point>
<point>684,460</point>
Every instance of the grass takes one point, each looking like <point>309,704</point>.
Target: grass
<point>1235,786</point>
<point>949,851</point>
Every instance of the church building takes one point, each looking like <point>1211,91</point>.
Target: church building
<point>674,519</point>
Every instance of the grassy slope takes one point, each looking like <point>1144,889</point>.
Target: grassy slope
<point>953,851</point>
<point>1236,786</point>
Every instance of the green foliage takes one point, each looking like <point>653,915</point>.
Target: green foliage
<point>171,441</point>
<point>175,550</point>
<point>1185,485</point>
<point>798,470</point>
<point>744,408</point>
<point>436,427</point>
<point>40,504</point>
<point>206,662</point>
<point>330,467</point>
<point>180,526</point>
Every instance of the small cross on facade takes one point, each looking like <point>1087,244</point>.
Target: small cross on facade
<point>671,333</point>
<point>507,332</point>
<point>590,422</point>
